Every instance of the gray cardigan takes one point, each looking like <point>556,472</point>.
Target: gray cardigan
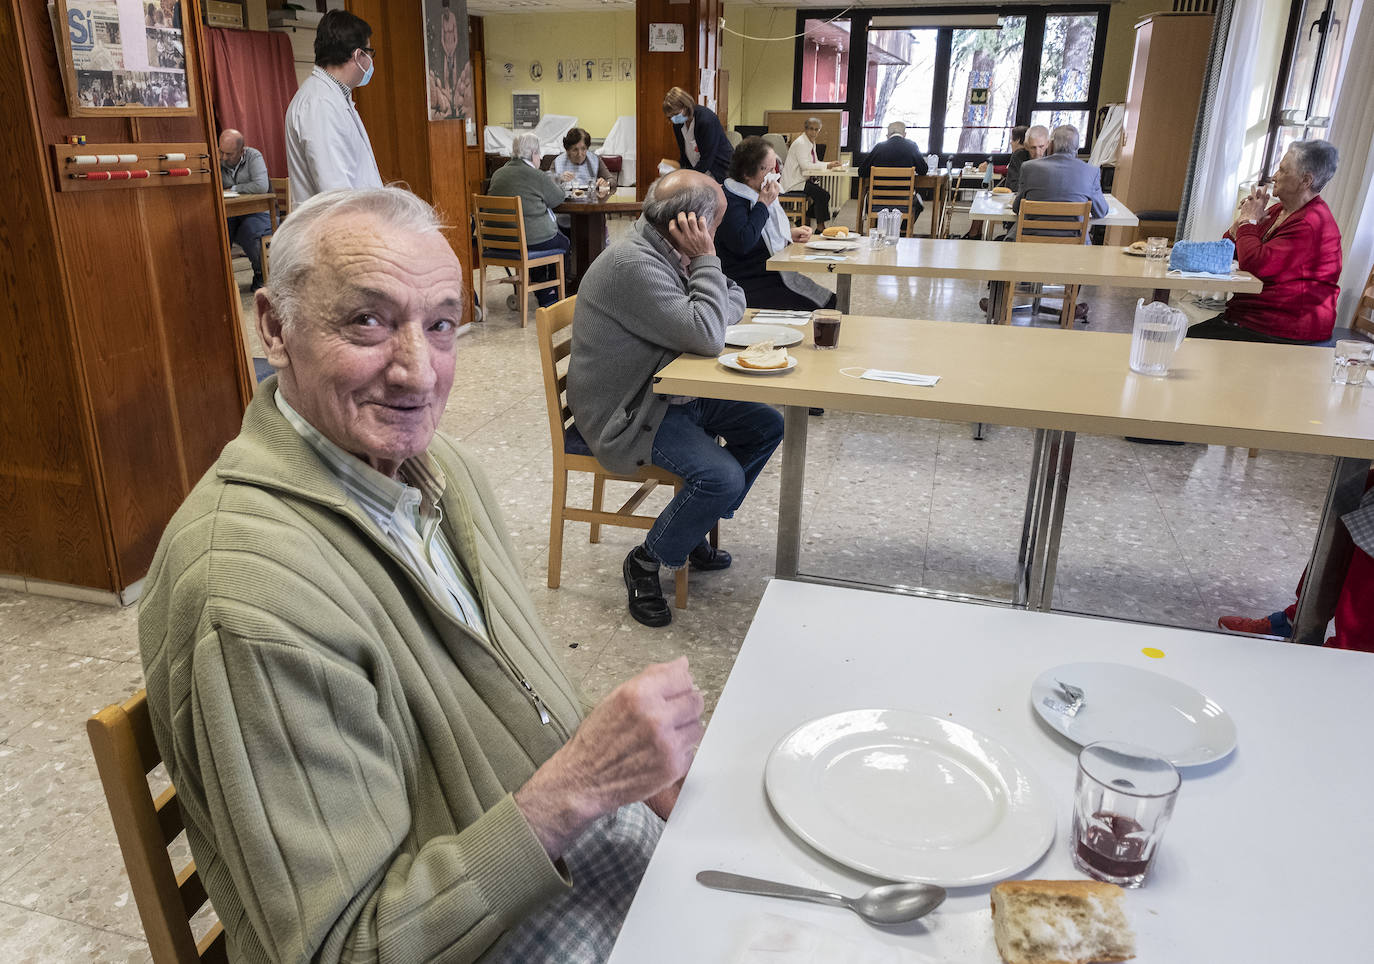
<point>637,311</point>
<point>537,194</point>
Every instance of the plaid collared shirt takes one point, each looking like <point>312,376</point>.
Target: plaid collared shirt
<point>1360,522</point>
<point>408,514</point>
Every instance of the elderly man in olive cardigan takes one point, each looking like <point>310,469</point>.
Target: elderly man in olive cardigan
<point>376,752</point>
<point>656,293</point>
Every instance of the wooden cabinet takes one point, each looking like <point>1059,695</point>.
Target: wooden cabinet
<point>1161,110</point>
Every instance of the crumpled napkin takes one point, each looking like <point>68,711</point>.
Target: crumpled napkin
<point>901,378</point>
<point>770,939</point>
<point>1175,273</point>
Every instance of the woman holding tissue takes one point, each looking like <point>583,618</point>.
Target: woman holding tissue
<point>701,141</point>
<point>755,227</point>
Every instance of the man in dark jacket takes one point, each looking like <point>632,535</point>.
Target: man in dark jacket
<point>897,151</point>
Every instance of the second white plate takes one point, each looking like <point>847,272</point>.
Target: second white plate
<point>1138,706</point>
<point>905,796</point>
<point>742,336</point>
<point>729,362</point>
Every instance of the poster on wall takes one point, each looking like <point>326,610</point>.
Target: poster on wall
<point>124,58</point>
<point>525,109</point>
<point>667,37</point>
<point>446,60</point>
<point>607,68</point>
<point>589,69</point>
<point>627,70</point>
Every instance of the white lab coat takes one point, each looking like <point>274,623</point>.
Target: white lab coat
<point>326,144</point>
<point>801,161</point>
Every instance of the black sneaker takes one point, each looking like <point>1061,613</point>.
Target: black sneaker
<point>647,604</point>
<point>707,558</point>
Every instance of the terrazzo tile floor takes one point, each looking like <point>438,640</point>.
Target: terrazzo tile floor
<point>1170,534</point>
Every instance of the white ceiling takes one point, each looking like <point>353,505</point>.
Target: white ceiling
<point>484,7</point>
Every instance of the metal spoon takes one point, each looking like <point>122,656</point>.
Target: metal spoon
<point>885,904</point>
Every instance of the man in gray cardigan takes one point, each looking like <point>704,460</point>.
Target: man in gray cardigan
<point>656,293</point>
<point>539,195</point>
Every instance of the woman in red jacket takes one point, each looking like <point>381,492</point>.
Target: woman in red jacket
<point>1294,248</point>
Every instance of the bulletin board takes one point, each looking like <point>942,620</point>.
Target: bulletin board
<point>791,123</point>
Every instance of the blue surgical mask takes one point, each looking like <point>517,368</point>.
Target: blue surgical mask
<point>367,74</point>
<point>679,118</point>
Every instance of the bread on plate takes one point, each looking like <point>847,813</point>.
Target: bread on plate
<point>1060,922</point>
<point>835,232</point>
<point>1137,246</point>
<point>1001,189</point>
<point>762,356</point>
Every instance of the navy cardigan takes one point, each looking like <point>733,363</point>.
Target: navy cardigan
<point>740,245</point>
<point>711,141</point>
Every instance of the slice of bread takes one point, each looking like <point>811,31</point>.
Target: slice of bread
<point>1060,922</point>
<point>1001,189</point>
<point>762,356</point>
<point>835,232</point>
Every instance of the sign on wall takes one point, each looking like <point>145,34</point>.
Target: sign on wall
<point>667,38</point>
<point>446,59</point>
<point>525,109</point>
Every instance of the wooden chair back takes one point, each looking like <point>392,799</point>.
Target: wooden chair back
<point>891,187</point>
<point>266,255</point>
<point>281,187</point>
<point>795,208</point>
<point>553,326</point>
<point>1054,222</point>
<point>500,242</point>
<point>125,753</point>
<point>1363,321</point>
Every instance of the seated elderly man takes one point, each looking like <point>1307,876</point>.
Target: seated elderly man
<point>376,753</point>
<point>242,169</point>
<point>1294,247</point>
<point>897,150</point>
<point>658,292</point>
<point>1028,144</point>
<point>1061,176</point>
<point>539,195</point>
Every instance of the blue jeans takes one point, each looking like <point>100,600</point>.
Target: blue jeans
<point>247,230</point>
<point>716,479</point>
<point>560,243</point>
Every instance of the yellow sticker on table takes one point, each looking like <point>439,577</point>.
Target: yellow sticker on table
<point>1153,653</point>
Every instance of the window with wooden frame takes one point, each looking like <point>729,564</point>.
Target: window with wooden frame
<point>1305,95</point>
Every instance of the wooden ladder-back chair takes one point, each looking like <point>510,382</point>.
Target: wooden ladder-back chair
<point>891,187</point>
<point>1052,222</point>
<point>281,187</point>
<point>501,243</point>
<point>572,454</point>
<point>125,753</point>
<point>795,208</point>
<point>1363,322</point>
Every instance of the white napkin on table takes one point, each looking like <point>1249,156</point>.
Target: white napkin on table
<point>770,939</point>
<point>901,378</point>
<point>779,317</point>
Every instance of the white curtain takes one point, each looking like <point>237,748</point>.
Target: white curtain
<point>1352,131</point>
<point>1216,170</point>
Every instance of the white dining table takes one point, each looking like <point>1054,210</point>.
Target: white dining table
<point>992,208</point>
<point>1266,858</point>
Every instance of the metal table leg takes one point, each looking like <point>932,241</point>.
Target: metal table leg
<point>1060,495</point>
<point>1043,525</point>
<point>843,284</point>
<point>1327,564</point>
<point>788,553</point>
<point>1028,523</point>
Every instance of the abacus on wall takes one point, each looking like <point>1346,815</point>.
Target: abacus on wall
<point>99,167</point>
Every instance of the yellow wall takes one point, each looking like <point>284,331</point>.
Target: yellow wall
<point>548,38</point>
<point>760,71</point>
<point>1116,58</point>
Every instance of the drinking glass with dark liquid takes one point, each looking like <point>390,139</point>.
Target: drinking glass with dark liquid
<point>825,328</point>
<point>1122,803</point>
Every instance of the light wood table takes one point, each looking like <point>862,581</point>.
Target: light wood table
<point>588,217</point>
<point>1260,864</point>
<point>936,182</point>
<point>997,208</point>
<point>251,203</point>
<point>1060,383</point>
<point>1001,264</point>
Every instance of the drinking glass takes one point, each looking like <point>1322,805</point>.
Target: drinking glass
<point>1352,359</point>
<point>1122,802</point>
<point>825,328</point>
<point>1156,249</point>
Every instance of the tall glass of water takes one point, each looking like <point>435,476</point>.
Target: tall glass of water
<point>1156,335</point>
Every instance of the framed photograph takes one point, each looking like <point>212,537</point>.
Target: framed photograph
<point>448,65</point>
<point>125,58</point>
<point>667,37</point>
<point>626,67</point>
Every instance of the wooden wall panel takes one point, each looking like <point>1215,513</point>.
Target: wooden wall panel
<point>151,375</point>
<point>50,526</point>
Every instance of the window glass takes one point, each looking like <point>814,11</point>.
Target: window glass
<point>984,81</point>
<point>825,62</point>
<point>1309,96</point>
<point>1058,118</point>
<point>1066,60</point>
<point>899,84</point>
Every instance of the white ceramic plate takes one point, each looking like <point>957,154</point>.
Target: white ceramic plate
<point>1138,706</point>
<point>905,796</point>
<point>729,362</point>
<point>833,244</point>
<point>1141,254</point>
<point>742,336</point>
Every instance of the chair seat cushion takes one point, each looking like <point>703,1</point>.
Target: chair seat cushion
<point>574,443</point>
<point>614,162</point>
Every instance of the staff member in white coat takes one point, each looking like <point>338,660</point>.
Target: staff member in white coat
<point>326,144</point>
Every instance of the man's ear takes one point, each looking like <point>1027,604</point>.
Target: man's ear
<point>270,328</point>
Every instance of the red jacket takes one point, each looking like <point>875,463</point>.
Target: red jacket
<point>1300,265</point>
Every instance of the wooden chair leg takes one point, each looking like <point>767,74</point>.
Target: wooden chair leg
<point>598,493</point>
<point>522,291</point>
<point>1066,308</point>
<point>560,501</point>
<point>680,582</point>
<point>1252,453</point>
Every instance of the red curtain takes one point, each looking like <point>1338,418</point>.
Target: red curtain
<point>253,80</point>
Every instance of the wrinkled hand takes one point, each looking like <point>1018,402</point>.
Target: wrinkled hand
<point>802,234</point>
<point>691,235</point>
<point>834,164</point>
<point>1252,208</point>
<point>769,192</point>
<point>635,745</point>
<point>565,177</point>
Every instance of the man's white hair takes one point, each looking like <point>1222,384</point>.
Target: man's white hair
<point>294,243</point>
<point>526,144</point>
<point>1064,140</point>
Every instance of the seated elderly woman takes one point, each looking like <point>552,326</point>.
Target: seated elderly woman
<point>578,165</point>
<point>1294,247</point>
<point>755,227</point>
<point>521,177</point>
